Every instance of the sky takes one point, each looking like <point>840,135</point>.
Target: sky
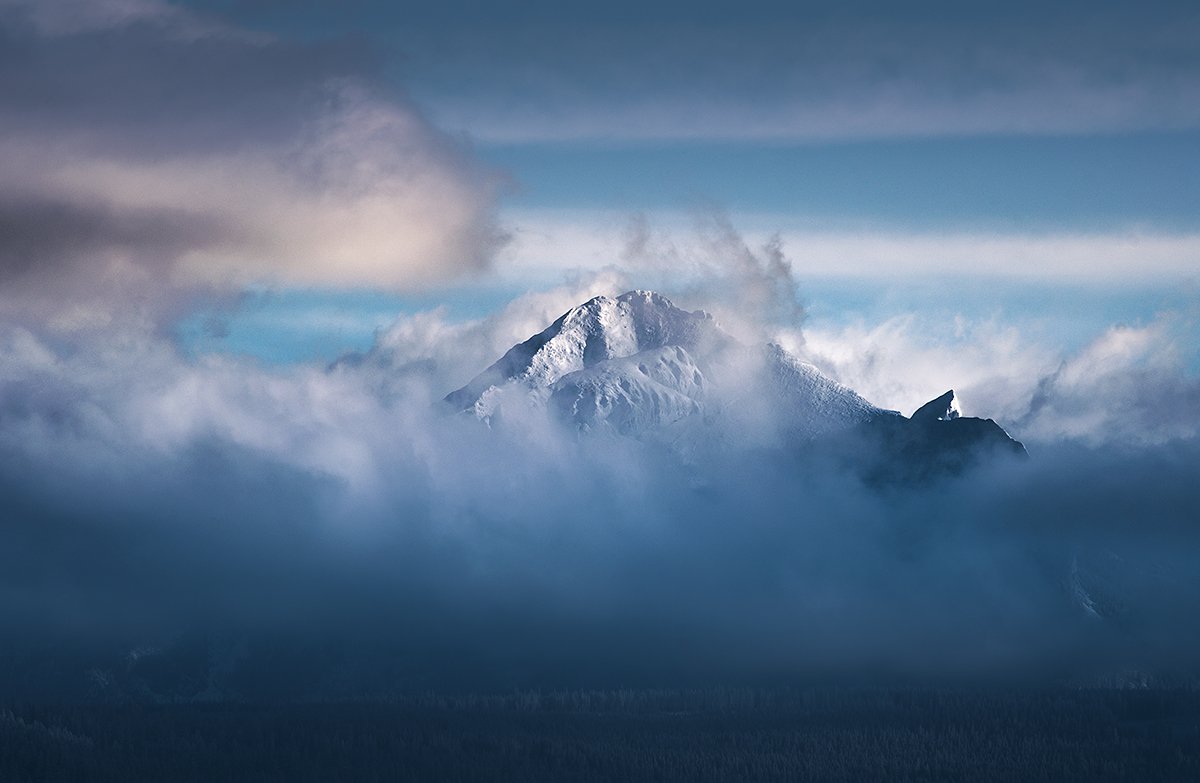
<point>246,246</point>
<point>1036,155</point>
<point>1031,154</point>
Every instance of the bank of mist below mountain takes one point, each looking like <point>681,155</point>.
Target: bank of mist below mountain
<point>207,533</point>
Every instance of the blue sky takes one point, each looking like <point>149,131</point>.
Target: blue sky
<point>1089,183</point>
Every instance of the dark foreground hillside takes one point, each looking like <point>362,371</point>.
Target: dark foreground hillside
<point>709,735</point>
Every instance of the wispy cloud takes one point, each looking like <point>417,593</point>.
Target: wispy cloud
<point>545,241</point>
<point>1131,384</point>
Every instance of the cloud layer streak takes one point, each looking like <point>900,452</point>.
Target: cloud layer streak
<point>813,72</point>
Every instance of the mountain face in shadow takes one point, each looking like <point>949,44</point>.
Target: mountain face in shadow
<point>935,441</point>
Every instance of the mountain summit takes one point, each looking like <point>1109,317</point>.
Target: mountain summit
<point>637,363</point>
<point>599,330</point>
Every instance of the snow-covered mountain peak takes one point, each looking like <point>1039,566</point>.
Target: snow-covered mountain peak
<point>601,329</point>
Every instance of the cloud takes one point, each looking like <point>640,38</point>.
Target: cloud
<point>1130,385</point>
<point>748,287</point>
<point>549,241</point>
<point>150,151</point>
<point>66,17</point>
<point>146,498</point>
<point>450,352</point>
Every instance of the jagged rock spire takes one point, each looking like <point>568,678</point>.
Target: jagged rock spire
<point>943,408</point>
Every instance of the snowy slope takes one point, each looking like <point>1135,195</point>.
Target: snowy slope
<point>637,362</point>
<point>596,331</point>
<point>651,389</point>
<point>810,403</point>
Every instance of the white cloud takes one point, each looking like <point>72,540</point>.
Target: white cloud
<point>1129,385</point>
<point>548,241</point>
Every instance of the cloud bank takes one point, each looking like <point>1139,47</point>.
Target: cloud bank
<point>547,242</point>
<point>334,532</point>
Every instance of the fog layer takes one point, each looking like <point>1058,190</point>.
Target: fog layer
<point>339,531</point>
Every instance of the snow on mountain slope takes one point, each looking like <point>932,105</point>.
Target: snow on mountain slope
<point>598,330</point>
<point>810,403</point>
<point>634,394</point>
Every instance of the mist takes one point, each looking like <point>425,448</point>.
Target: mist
<point>309,532</point>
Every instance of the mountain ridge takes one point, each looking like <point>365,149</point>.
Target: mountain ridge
<point>636,365</point>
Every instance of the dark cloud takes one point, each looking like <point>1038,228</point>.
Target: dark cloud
<point>149,150</point>
<point>57,233</point>
<point>152,88</point>
<point>787,71</point>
